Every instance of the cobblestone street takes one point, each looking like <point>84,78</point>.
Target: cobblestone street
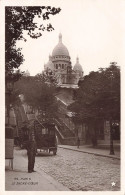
<point>80,171</point>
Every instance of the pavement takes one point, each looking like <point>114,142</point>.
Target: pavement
<point>19,179</point>
<point>101,150</point>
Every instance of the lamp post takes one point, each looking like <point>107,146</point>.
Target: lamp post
<point>111,129</point>
<point>9,89</point>
<point>111,139</point>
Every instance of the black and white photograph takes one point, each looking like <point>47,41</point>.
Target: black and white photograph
<point>61,113</point>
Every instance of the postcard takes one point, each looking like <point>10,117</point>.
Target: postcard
<point>62,99</point>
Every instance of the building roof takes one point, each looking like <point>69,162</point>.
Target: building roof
<point>77,66</point>
<point>71,86</point>
<point>49,64</point>
<point>26,73</point>
<point>60,49</point>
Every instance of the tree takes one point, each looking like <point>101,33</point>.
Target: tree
<point>17,20</point>
<point>38,94</point>
<point>98,97</point>
<point>47,76</point>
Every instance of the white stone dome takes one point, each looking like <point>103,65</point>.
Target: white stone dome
<point>77,66</point>
<point>49,64</point>
<point>60,49</point>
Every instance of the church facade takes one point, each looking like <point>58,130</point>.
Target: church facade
<point>60,64</point>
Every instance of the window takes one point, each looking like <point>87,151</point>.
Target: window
<point>44,131</point>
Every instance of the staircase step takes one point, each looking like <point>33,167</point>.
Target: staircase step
<point>64,130</point>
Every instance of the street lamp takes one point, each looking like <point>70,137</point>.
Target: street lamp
<point>111,139</point>
<point>8,90</point>
<point>111,129</point>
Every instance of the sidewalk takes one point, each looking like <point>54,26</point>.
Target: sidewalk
<point>102,151</point>
<point>19,179</point>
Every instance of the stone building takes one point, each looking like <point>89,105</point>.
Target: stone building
<point>60,64</point>
<point>26,73</point>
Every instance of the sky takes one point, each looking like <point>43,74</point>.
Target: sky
<point>91,29</point>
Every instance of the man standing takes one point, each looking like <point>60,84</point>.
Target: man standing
<point>31,152</point>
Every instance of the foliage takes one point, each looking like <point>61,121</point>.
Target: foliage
<point>48,77</point>
<point>19,19</point>
<point>14,98</point>
<point>38,94</point>
<point>98,98</point>
<point>13,76</point>
<point>98,95</point>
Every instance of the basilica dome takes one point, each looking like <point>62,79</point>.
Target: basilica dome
<point>49,64</point>
<point>60,49</point>
<point>77,66</point>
